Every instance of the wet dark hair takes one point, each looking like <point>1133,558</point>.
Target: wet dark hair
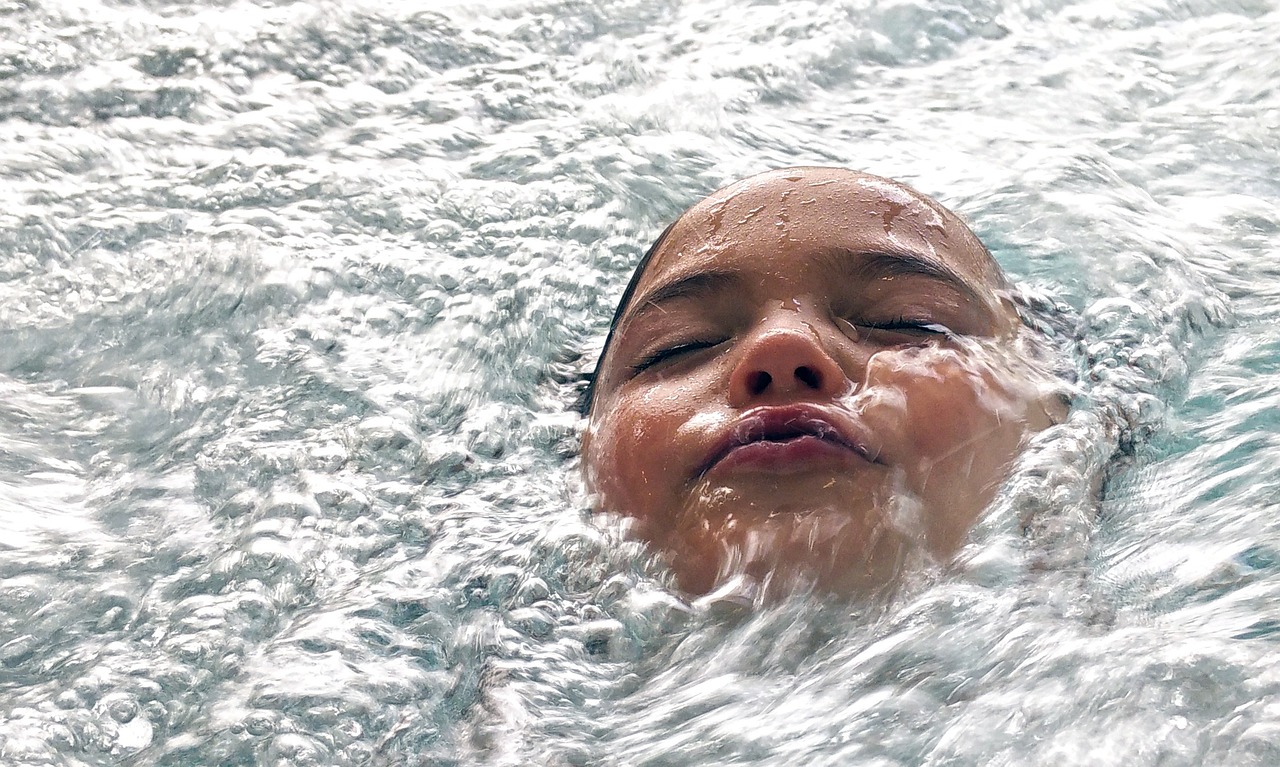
<point>587,399</point>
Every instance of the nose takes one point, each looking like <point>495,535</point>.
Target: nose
<point>785,362</point>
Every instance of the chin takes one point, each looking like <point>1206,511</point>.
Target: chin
<point>786,547</point>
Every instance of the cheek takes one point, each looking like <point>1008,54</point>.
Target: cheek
<point>954,422</point>
<point>633,458</point>
<point>940,403</point>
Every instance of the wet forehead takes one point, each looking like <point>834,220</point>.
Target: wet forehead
<point>818,209</point>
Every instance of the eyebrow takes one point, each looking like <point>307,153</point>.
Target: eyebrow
<point>860,266</point>
<point>696,285</point>
<point>866,265</point>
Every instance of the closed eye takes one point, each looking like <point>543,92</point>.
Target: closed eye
<point>924,327</point>
<point>672,353</point>
<point>902,329</point>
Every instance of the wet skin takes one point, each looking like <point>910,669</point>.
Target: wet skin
<point>814,383</point>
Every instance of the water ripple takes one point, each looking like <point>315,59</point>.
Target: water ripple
<point>294,302</point>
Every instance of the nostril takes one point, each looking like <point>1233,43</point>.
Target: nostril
<point>758,381</point>
<point>809,377</point>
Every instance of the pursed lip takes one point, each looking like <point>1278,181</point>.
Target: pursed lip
<point>781,424</point>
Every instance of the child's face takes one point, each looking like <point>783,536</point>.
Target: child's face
<point>813,381</point>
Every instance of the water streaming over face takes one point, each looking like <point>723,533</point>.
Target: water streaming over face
<point>290,297</point>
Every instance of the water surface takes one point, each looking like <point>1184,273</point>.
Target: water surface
<point>293,298</point>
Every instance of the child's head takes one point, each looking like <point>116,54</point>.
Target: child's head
<point>813,376</point>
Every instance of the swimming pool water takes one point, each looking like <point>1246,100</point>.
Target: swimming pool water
<point>294,298</point>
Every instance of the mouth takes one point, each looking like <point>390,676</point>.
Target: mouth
<point>781,439</point>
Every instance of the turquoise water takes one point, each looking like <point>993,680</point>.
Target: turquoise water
<point>293,298</point>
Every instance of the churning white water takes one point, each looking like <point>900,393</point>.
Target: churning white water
<point>294,298</point>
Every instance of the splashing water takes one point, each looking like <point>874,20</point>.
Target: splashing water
<point>290,297</point>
